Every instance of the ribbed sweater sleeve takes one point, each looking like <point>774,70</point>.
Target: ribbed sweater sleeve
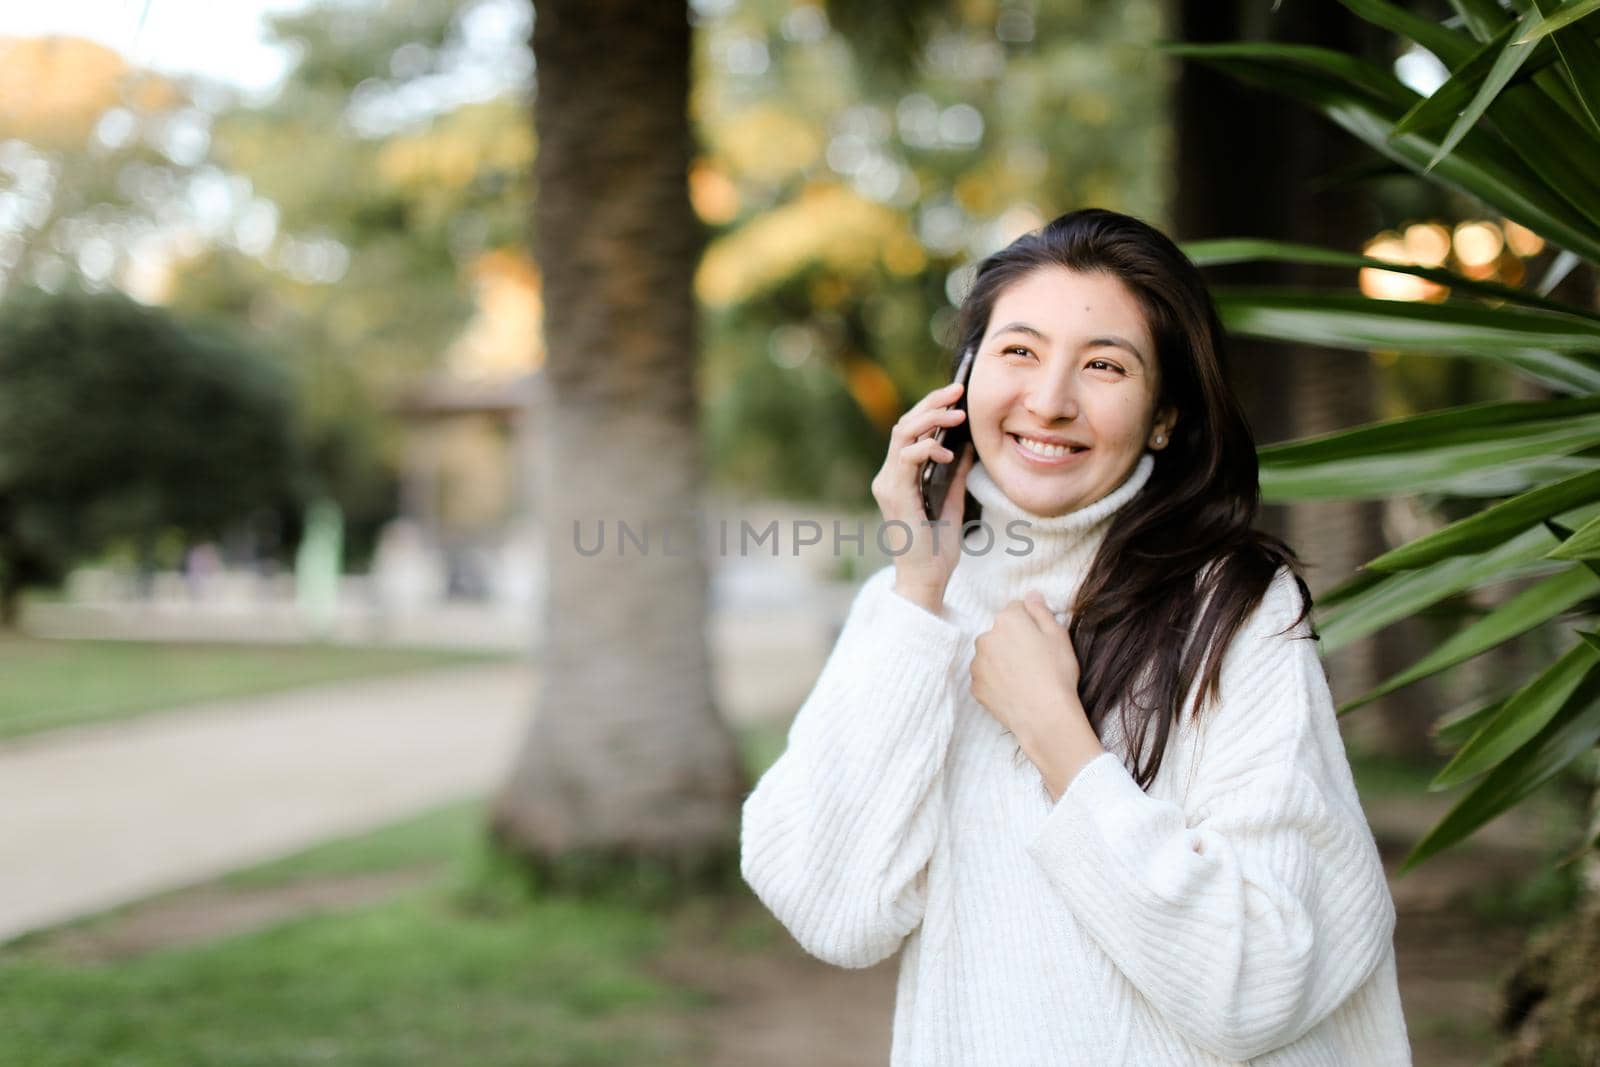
<point>1250,913</point>
<point>836,835</point>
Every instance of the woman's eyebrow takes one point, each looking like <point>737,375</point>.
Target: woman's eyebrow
<point>1110,339</point>
<point>1118,342</point>
<point>1021,327</point>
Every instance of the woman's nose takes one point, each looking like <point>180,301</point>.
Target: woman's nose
<point>1052,394</point>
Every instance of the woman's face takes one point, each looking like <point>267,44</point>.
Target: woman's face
<point>1067,358</point>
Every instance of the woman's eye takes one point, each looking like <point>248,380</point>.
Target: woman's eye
<point>1016,348</point>
<point>1103,363</point>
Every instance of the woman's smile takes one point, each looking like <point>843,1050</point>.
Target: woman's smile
<point>1042,454</point>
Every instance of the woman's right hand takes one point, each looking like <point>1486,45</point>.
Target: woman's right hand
<point>923,570</point>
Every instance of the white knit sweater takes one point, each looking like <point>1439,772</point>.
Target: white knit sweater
<point>1236,912</point>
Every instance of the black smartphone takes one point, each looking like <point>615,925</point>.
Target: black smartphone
<point>936,476</point>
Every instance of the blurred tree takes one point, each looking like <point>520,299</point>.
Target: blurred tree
<point>93,155</point>
<point>857,162</point>
<point>390,161</point>
<point>833,221</point>
<point>118,424</point>
<point>389,164</point>
<point>627,759</point>
<point>346,431</point>
<point>319,218</point>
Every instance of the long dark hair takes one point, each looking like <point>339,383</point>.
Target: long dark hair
<point>1187,540</point>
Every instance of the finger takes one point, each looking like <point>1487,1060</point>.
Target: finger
<point>920,451</point>
<point>941,399</point>
<point>914,424</point>
<point>1012,613</point>
<point>943,396</point>
<point>937,400</point>
<point>1040,612</point>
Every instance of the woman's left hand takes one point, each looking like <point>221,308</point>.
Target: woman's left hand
<point>1025,674</point>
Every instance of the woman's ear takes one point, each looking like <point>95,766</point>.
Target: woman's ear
<point>1166,418</point>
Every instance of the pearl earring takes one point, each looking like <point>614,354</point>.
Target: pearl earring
<point>1161,439</point>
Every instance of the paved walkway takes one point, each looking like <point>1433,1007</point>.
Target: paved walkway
<point>101,815</point>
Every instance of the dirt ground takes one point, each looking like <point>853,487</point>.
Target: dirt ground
<point>774,1005</point>
<point>770,1003</point>
<point>217,910</point>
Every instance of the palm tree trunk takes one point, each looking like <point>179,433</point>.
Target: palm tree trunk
<point>627,756</point>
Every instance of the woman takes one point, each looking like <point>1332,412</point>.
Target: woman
<point>993,771</point>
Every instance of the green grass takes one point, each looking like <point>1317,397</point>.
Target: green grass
<point>471,970</point>
<point>420,980</point>
<point>46,684</point>
<point>760,745</point>
<point>446,835</point>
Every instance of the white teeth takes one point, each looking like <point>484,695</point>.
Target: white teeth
<point>1043,449</point>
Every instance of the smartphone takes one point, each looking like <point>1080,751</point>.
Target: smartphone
<point>936,476</point>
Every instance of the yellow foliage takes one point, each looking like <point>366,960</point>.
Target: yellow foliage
<point>504,338</point>
<point>714,197</point>
<point>53,90</point>
<point>765,144</point>
<point>977,193</point>
<point>828,291</point>
<point>828,224</point>
<point>452,152</point>
<point>1090,108</point>
<point>903,255</point>
<point>873,389</point>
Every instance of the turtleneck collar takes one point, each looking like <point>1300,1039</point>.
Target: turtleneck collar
<point>1063,546</point>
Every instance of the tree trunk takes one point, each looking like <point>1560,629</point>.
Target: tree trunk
<point>1248,164</point>
<point>10,605</point>
<point>1551,1008</point>
<point>627,758</point>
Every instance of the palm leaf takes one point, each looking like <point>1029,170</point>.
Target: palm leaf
<point>1532,607</point>
<point>1367,102</point>
<point>1571,733</point>
<point>1553,348</point>
<point>1487,19</point>
<point>1300,472</point>
<point>1580,58</point>
<point>1412,431</point>
<point>1565,17</point>
<point>1444,105</point>
<point>1222,251</point>
<point>1451,46</point>
<point>1508,58</point>
<point>1492,525</point>
<point>1514,478</point>
<point>1455,729</point>
<point>1484,18</point>
<point>1520,718</point>
<point>1584,544</point>
<point>1399,596</point>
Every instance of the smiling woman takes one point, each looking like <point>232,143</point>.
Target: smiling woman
<point>1094,791</point>
<point>1060,408</point>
